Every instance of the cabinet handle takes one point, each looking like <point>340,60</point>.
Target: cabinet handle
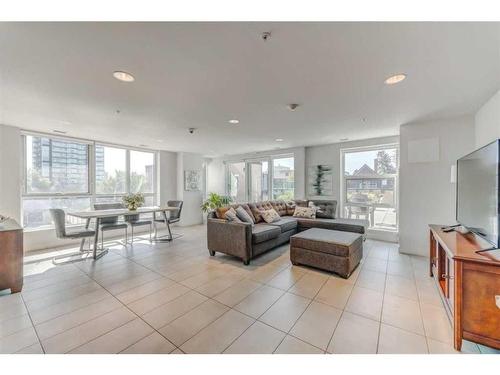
<point>444,276</point>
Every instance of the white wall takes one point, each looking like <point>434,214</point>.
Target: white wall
<point>191,209</point>
<point>426,194</point>
<point>487,121</point>
<point>10,172</point>
<point>216,169</point>
<point>167,177</point>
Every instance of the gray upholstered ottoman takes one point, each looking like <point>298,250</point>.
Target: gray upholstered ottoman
<point>330,250</point>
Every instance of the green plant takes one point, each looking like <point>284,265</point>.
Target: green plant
<point>215,201</point>
<point>133,201</point>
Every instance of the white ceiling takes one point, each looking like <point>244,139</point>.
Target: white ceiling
<point>59,76</point>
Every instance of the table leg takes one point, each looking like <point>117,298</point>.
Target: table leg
<point>164,238</point>
<point>168,227</point>
<point>96,236</point>
<point>82,242</point>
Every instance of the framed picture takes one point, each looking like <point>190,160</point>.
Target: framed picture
<point>321,180</point>
<point>192,180</point>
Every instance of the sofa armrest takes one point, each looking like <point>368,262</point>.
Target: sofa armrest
<point>230,238</point>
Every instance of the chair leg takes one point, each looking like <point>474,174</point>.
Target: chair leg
<point>102,239</point>
<point>132,239</point>
<point>150,230</point>
<point>126,236</point>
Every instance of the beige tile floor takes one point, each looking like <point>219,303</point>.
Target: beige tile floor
<point>174,298</point>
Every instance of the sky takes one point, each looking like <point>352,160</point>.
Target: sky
<point>355,160</point>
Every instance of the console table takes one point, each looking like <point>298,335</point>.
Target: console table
<point>11,256</point>
<point>469,285</point>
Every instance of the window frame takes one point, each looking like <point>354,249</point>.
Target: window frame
<point>343,191</point>
<point>91,173</point>
<point>270,160</point>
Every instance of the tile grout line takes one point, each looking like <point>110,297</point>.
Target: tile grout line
<point>420,310</point>
<point>309,304</point>
<point>343,310</point>
<point>34,328</point>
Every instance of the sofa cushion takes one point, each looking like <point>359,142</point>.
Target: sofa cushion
<point>280,207</point>
<point>264,232</point>
<point>327,208</point>
<point>257,207</point>
<point>286,223</point>
<point>301,202</point>
<point>290,208</point>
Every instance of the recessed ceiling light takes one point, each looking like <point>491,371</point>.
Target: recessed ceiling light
<point>234,121</point>
<point>123,76</point>
<point>59,131</point>
<point>279,139</point>
<point>395,79</point>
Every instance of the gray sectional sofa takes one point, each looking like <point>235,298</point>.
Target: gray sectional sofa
<point>246,241</point>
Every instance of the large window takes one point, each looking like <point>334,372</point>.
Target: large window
<point>56,166</point>
<point>59,174</point>
<point>141,172</point>
<point>370,180</point>
<point>110,170</point>
<point>250,180</point>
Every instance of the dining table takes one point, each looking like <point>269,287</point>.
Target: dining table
<point>98,215</point>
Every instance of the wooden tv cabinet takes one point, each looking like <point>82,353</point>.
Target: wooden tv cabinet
<point>11,256</point>
<point>469,285</point>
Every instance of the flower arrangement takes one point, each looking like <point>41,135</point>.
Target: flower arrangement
<point>133,201</point>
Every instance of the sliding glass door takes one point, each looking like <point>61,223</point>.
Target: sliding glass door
<point>258,180</point>
<point>236,181</point>
<point>261,179</point>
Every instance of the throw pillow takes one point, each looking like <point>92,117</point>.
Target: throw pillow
<point>221,211</point>
<point>290,208</point>
<point>230,215</point>
<point>305,212</point>
<point>249,211</point>
<point>243,215</point>
<point>270,216</point>
<point>314,207</point>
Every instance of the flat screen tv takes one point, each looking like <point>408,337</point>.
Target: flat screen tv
<point>478,202</point>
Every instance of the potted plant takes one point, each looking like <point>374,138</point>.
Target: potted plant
<point>215,201</point>
<point>133,201</point>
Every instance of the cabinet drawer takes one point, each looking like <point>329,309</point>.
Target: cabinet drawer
<point>480,288</point>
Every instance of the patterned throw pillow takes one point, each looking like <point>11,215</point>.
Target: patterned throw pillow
<point>305,212</point>
<point>243,215</point>
<point>230,215</point>
<point>270,216</point>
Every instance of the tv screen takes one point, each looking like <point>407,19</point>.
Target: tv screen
<point>477,192</point>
